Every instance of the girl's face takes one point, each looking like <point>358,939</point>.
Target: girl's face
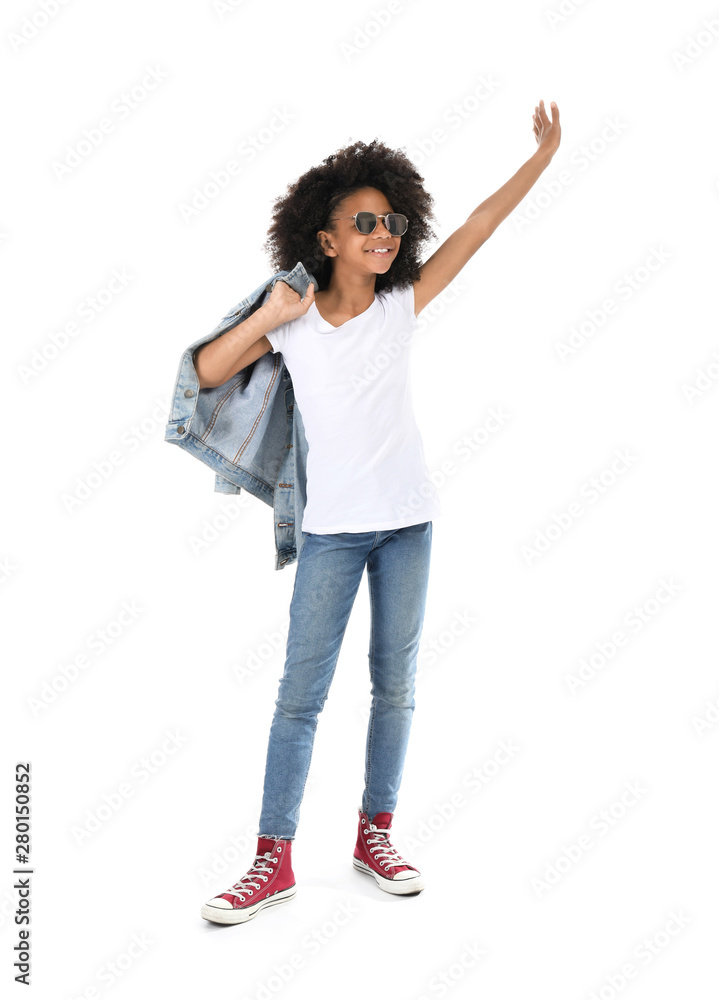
<point>353,251</point>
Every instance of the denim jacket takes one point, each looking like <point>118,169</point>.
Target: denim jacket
<point>248,430</point>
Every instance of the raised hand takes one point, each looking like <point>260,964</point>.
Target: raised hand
<point>547,134</point>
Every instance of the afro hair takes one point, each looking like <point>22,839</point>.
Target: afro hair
<point>313,198</point>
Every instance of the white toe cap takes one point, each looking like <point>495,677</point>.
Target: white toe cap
<point>221,903</point>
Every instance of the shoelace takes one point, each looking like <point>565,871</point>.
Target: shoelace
<point>386,854</point>
<point>258,869</point>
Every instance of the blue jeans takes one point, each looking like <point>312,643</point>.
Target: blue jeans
<point>328,575</point>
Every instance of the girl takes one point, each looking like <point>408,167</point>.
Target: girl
<point>358,222</point>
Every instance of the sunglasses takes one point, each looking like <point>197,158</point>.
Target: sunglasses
<point>366,222</point>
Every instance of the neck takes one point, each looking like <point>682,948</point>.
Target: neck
<point>349,293</point>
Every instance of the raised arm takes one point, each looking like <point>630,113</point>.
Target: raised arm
<point>448,260</point>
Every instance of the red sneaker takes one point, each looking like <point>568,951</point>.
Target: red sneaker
<point>374,855</point>
<point>270,880</point>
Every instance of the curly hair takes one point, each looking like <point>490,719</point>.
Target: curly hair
<point>311,200</point>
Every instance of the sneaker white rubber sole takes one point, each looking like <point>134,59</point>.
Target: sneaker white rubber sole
<point>400,887</point>
<point>228,915</point>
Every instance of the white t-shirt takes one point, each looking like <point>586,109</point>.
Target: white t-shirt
<point>366,468</point>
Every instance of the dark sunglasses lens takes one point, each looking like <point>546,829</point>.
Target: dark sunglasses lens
<point>396,224</point>
<point>366,222</point>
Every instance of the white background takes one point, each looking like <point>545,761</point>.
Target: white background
<point>633,183</point>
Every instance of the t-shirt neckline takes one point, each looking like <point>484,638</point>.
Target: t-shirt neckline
<point>326,325</point>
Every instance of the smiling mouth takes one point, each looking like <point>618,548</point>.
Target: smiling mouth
<point>382,252</point>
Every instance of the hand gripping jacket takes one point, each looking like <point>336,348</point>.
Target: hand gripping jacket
<point>249,430</point>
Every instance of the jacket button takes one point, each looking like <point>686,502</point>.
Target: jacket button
<point>189,392</point>
<point>180,430</point>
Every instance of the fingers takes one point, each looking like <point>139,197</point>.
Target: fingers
<point>309,296</point>
<point>537,124</point>
<point>540,119</point>
<point>541,110</point>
